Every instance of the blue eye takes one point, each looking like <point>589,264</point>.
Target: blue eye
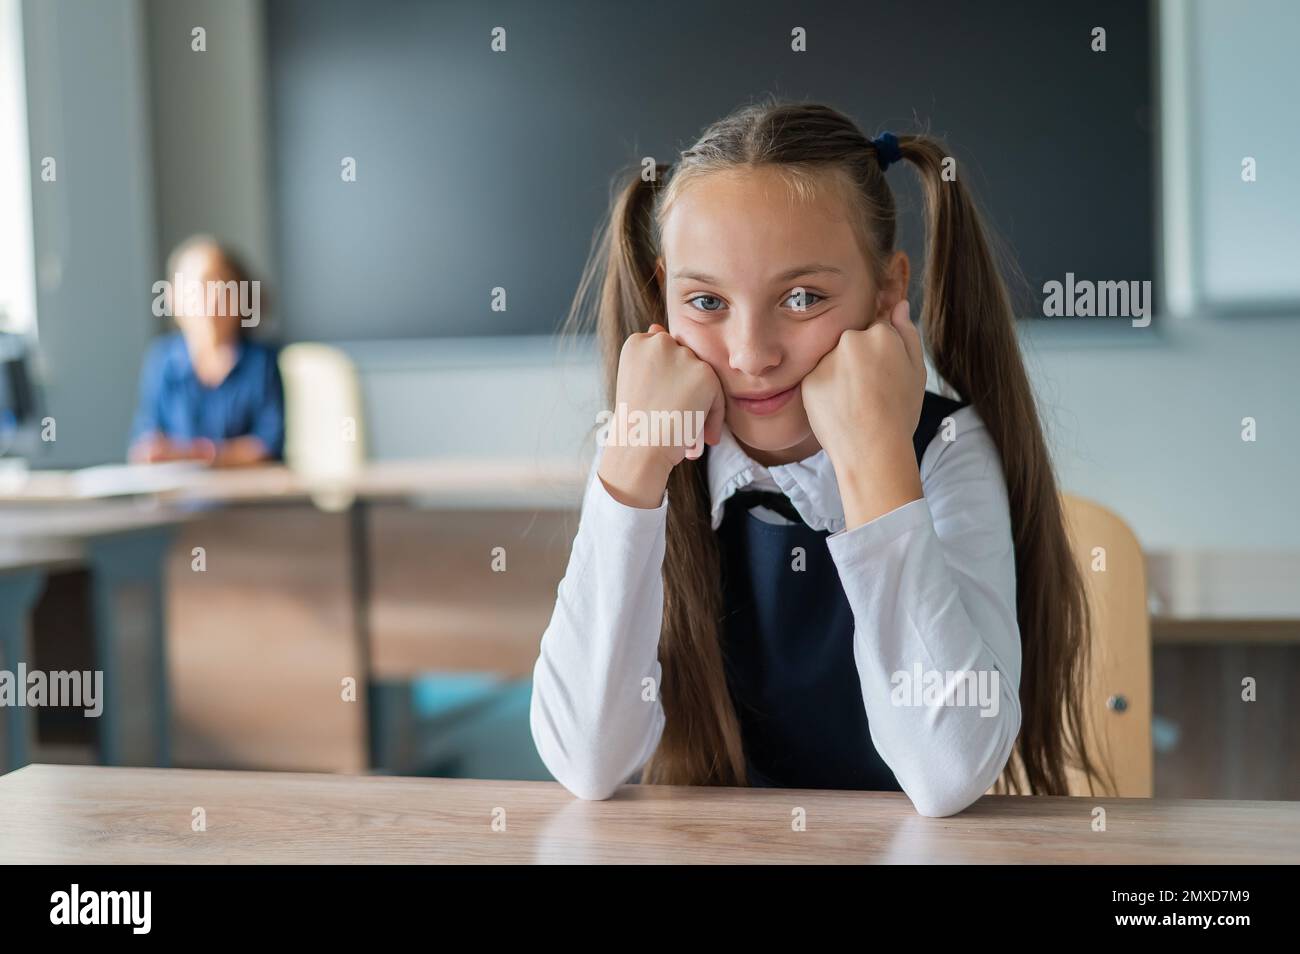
<point>803,299</point>
<point>697,298</point>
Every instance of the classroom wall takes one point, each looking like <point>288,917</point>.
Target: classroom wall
<point>1152,430</point>
<point>94,224</point>
<point>111,91</point>
<point>1151,427</point>
<point>210,164</point>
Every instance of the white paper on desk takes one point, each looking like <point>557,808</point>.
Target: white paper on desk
<point>116,480</point>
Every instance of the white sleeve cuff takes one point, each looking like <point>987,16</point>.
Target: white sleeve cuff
<point>850,548</point>
<point>614,516</point>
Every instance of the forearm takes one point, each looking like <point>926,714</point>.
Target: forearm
<point>932,586</point>
<point>943,706</point>
<point>595,712</point>
<point>634,476</point>
<point>876,478</point>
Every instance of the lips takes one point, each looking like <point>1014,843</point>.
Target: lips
<point>765,402</point>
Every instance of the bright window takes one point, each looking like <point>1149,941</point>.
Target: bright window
<point>17,284</point>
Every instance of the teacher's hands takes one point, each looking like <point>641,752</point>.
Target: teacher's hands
<point>157,448</point>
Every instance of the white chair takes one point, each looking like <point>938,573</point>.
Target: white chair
<point>325,436</point>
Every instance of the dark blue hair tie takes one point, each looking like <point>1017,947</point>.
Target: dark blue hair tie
<point>887,150</point>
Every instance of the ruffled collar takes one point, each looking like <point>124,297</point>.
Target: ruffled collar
<point>810,483</point>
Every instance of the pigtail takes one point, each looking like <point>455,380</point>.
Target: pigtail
<point>969,330</point>
<point>701,742</point>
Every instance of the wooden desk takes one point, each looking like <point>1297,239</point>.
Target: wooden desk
<point>305,587</point>
<point>91,815</point>
<point>470,482</point>
<point>122,543</point>
<point>23,568</point>
<point>1218,616</point>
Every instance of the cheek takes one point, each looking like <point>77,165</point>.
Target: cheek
<point>705,341</point>
<point>804,350</point>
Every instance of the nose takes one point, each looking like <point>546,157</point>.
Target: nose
<point>753,346</point>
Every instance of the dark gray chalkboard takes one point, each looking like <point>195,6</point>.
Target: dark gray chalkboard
<point>478,169</point>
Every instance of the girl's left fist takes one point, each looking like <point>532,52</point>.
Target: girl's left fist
<point>868,389</point>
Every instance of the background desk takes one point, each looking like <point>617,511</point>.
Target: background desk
<point>73,814</point>
<point>1219,617</point>
<point>389,578</point>
<point>122,544</point>
<point>1221,596</point>
<point>23,566</point>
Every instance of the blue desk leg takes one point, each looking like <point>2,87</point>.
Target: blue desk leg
<point>127,573</point>
<point>18,592</point>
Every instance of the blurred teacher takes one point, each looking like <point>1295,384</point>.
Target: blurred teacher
<point>208,392</point>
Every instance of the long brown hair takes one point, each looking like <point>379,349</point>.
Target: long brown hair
<point>968,327</point>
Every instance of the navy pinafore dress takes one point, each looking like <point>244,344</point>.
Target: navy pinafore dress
<point>788,646</point>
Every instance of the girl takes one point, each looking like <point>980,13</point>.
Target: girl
<point>841,584</point>
<point>207,392</point>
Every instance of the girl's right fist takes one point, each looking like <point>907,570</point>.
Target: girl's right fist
<point>657,374</point>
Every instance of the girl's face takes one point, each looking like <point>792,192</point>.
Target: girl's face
<point>760,286</point>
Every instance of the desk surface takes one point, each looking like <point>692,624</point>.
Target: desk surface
<point>22,553</point>
<point>77,814</point>
<point>555,482</point>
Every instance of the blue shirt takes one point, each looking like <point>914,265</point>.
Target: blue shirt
<point>175,403</point>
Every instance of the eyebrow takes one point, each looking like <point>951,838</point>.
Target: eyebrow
<point>813,268</point>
